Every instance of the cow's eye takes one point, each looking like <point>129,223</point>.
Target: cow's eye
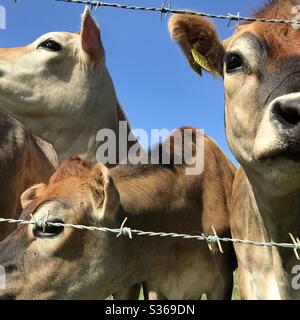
<point>233,62</point>
<point>50,231</point>
<point>50,45</point>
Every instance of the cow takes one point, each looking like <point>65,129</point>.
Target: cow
<point>260,66</point>
<point>54,262</point>
<point>60,89</point>
<point>25,160</point>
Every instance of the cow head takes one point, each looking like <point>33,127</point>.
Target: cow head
<point>60,75</point>
<point>260,65</point>
<point>55,262</point>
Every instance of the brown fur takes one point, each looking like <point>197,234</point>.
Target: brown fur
<point>23,163</point>
<point>276,9</point>
<point>189,30</point>
<point>154,198</point>
<point>74,166</point>
<point>282,40</point>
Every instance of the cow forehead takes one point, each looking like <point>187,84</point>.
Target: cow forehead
<point>248,41</point>
<point>66,194</point>
<point>279,40</point>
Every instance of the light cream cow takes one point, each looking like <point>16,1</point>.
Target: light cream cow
<point>60,89</point>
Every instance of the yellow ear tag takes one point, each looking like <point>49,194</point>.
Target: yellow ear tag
<point>200,59</point>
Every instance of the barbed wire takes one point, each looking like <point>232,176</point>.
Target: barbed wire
<point>167,9</point>
<point>128,232</point>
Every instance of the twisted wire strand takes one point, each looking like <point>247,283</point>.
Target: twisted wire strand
<point>125,231</point>
<point>167,10</point>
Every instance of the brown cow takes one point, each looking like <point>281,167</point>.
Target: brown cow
<point>24,160</point>
<point>260,65</point>
<point>65,263</point>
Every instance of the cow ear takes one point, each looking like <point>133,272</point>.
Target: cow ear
<point>198,39</point>
<point>31,194</point>
<point>105,195</point>
<point>90,38</point>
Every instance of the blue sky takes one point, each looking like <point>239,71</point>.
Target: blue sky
<point>153,81</point>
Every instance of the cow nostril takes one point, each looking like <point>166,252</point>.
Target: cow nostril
<point>287,114</point>
<point>10,268</point>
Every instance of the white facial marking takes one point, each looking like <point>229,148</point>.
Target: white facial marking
<point>48,210</point>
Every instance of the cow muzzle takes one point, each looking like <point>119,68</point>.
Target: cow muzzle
<point>285,117</point>
<point>286,113</point>
<point>278,134</point>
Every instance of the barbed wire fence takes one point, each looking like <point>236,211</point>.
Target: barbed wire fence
<point>128,232</point>
<point>166,9</point>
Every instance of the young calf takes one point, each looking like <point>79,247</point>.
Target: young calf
<point>64,263</point>
<point>260,65</point>
<point>24,161</point>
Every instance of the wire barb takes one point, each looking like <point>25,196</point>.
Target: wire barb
<point>209,241</point>
<point>213,240</point>
<point>297,245</point>
<point>218,241</point>
<point>125,231</point>
<point>33,218</point>
<point>239,19</point>
<point>232,17</point>
<point>45,222</point>
<point>165,10</point>
<point>162,9</point>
